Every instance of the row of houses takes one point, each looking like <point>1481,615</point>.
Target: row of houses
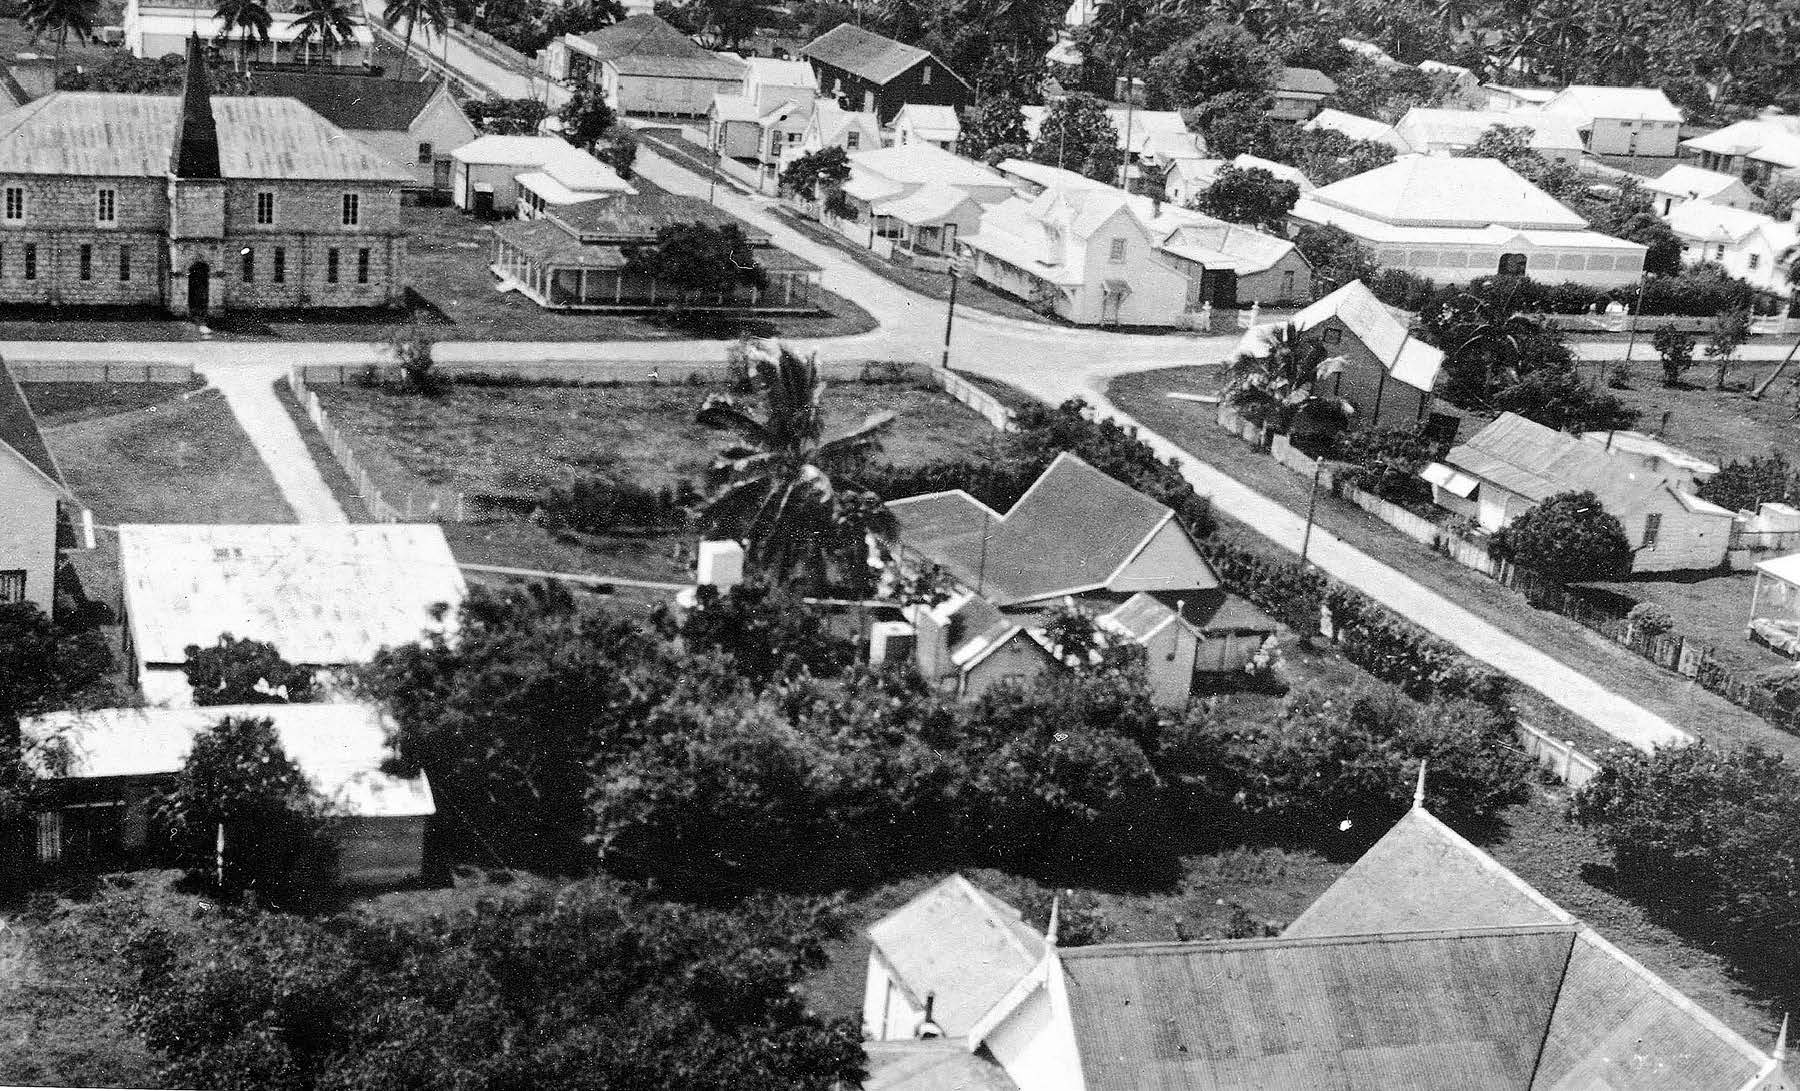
<point>1426,964</point>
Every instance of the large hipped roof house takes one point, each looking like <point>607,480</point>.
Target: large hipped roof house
<point>643,65</point>
<point>1456,219</point>
<point>1427,966</point>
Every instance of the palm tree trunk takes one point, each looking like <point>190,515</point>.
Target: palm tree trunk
<point>407,47</point>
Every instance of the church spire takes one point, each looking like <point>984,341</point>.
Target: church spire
<point>1419,791</point>
<point>196,152</point>
<point>1780,1051</point>
<point>1055,918</point>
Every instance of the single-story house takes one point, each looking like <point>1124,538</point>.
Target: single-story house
<point>1077,535</point>
<point>1636,121</point>
<point>918,123</point>
<point>575,257</point>
<point>917,200</point>
<point>760,121</point>
<point>1683,182</point>
<point>1298,92</point>
<point>524,175</point>
<point>1750,245</point>
<point>104,770</point>
<point>1193,177</point>
<point>325,595</point>
<point>1375,365</point>
<point>1357,127</point>
<point>644,66</point>
<point>32,493</point>
<point>1454,219</point>
<point>414,123</point>
<point>1475,979</point>
<point>1431,131</point>
<point>1761,148</point>
<point>1514,464</point>
<point>861,70</point>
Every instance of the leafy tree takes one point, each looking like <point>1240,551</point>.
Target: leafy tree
<point>782,490</point>
<point>1556,397</point>
<point>1388,460</point>
<point>586,118</point>
<point>1252,196</point>
<point>48,666</point>
<point>1277,384</point>
<point>580,17</point>
<point>1676,347</point>
<point>1218,59</point>
<point>1382,91</point>
<point>414,350</point>
<point>59,18</point>
<point>1336,256</point>
<point>506,116</point>
<point>996,132</point>
<point>249,19</point>
<point>237,776</point>
<point>327,21</point>
<point>1237,123</point>
<point>1747,484</point>
<point>244,672</point>
<point>1326,155</point>
<point>726,23</point>
<point>829,167</point>
<point>1078,135</point>
<point>767,631</point>
<point>701,261</point>
<point>1730,330</point>
<point>1570,538</point>
<point>584,986</point>
<point>1779,197</point>
<point>433,15</point>
<point>620,153</point>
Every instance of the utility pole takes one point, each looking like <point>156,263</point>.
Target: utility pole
<point>1632,318</point>
<point>712,182</point>
<point>1130,98</point>
<point>950,314</point>
<point>1312,505</point>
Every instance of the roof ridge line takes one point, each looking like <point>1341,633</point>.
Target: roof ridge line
<point>1101,950</point>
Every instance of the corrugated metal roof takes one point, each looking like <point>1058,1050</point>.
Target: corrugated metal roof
<point>339,747</point>
<point>960,944</point>
<point>102,134</point>
<point>1436,191</point>
<point>1402,1012</point>
<point>863,53</point>
<point>1524,457</point>
<point>1070,532</point>
<point>1305,81</point>
<point>917,163</point>
<point>645,45</point>
<point>1407,359</point>
<point>929,204</point>
<point>322,594</point>
<point>351,102</point>
<point>19,427</point>
<point>932,1064</point>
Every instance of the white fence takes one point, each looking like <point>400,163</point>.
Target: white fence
<point>425,505</point>
<point>992,409</point>
<point>75,371</point>
<point>1560,756</point>
<point>1770,325</point>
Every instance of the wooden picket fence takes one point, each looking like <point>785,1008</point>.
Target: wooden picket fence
<point>992,409</point>
<point>424,505</point>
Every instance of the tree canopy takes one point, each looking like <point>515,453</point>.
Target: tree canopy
<point>1570,537</point>
<point>244,672</point>
<point>1249,196</point>
<point>703,262</point>
<point>1078,135</point>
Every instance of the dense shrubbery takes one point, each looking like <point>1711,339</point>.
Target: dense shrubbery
<point>1570,537</point>
<point>1746,484</point>
<point>1387,461</point>
<point>1404,655</point>
<point>244,672</point>
<point>598,505</point>
<point>581,988</point>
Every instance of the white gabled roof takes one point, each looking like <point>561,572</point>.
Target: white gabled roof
<point>1356,127</point>
<point>931,122</point>
<point>1425,126</point>
<point>1408,359</point>
<point>1683,180</point>
<point>339,747</point>
<point>1707,222</point>
<point>1588,101</point>
<point>918,164</point>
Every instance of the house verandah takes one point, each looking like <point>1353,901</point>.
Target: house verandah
<point>556,271</point>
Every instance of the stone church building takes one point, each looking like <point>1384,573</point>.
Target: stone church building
<point>198,203</point>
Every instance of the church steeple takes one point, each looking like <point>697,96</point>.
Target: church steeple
<point>196,152</point>
<point>1419,789</point>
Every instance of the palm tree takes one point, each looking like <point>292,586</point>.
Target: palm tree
<point>775,491</point>
<point>248,18</point>
<point>61,18</point>
<point>1489,331</point>
<point>330,21</point>
<point>430,14</point>
<point>1278,385</point>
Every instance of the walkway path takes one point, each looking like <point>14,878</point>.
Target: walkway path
<point>250,391</point>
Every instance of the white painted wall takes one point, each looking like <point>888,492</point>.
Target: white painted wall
<point>28,528</point>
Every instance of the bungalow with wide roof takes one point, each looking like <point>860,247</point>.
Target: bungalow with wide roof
<point>1515,464</point>
<point>327,596</point>
<point>1377,368</point>
<point>863,71</point>
<point>1076,534</point>
<point>102,773</point>
<point>1760,148</point>
<point>1685,182</point>
<point>1634,121</point>
<point>644,66</point>
<point>1430,131</point>
<point>912,202</point>
<point>1427,965</point>
<point>1455,219</point>
<point>414,124</point>
<point>578,257</point>
<point>32,493</point>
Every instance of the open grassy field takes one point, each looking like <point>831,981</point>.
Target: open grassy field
<point>180,459</point>
<point>1719,426</point>
<point>1666,693</point>
<point>510,443</point>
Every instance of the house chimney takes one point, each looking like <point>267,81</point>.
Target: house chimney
<point>928,1027</point>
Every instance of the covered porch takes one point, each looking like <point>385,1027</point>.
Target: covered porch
<point>568,275</point>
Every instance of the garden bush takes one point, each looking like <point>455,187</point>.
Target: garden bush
<point>599,505</point>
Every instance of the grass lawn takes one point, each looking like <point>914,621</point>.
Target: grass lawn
<point>1666,693</point>
<point>181,459</point>
<point>453,297</point>
<point>1710,608</point>
<point>1719,426</point>
<point>513,442</point>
